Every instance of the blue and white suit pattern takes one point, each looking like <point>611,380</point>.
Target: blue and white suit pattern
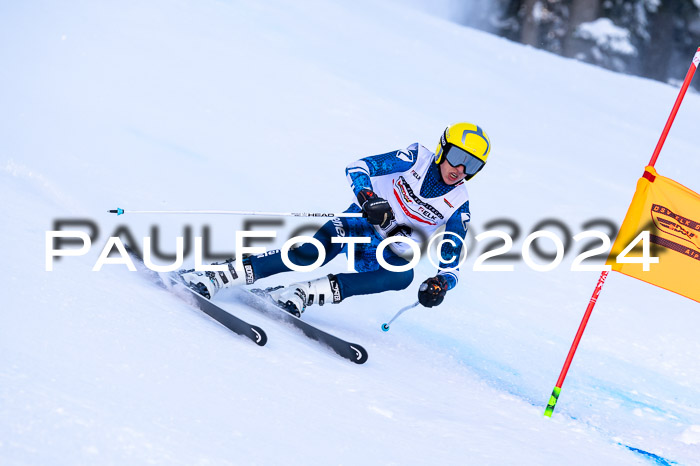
<point>422,203</point>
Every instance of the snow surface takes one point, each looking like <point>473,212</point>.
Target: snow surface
<point>260,105</point>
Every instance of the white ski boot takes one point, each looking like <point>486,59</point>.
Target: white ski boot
<point>209,283</point>
<point>296,297</point>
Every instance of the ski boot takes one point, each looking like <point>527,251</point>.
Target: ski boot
<point>209,283</point>
<point>296,297</point>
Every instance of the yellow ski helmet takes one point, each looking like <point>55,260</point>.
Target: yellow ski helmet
<point>464,144</point>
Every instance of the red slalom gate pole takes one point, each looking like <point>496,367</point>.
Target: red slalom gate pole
<point>676,106</point>
<point>570,357</point>
<point>604,275</point>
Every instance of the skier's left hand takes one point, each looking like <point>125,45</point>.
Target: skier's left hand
<point>432,291</point>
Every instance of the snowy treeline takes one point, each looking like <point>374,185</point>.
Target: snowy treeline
<point>651,38</point>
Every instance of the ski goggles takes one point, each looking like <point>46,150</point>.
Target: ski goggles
<point>458,156</point>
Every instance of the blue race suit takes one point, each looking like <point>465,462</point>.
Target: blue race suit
<point>410,180</point>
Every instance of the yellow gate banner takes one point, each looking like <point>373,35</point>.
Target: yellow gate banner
<point>670,212</point>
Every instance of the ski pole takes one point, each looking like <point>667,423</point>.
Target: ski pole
<point>385,326</point>
<point>120,211</point>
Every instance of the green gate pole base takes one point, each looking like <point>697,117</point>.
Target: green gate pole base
<point>552,402</point>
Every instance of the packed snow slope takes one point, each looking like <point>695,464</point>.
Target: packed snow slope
<point>259,106</point>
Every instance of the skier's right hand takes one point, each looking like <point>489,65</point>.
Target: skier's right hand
<point>376,210</point>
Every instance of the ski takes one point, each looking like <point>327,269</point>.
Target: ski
<point>259,300</point>
<point>225,318</point>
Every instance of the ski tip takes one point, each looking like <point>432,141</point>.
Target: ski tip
<point>117,211</point>
<point>385,327</point>
<point>360,356</point>
<point>260,335</point>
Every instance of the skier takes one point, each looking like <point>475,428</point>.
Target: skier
<point>410,192</point>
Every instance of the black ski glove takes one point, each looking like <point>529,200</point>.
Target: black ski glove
<point>432,291</point>
<point>376,210</point>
